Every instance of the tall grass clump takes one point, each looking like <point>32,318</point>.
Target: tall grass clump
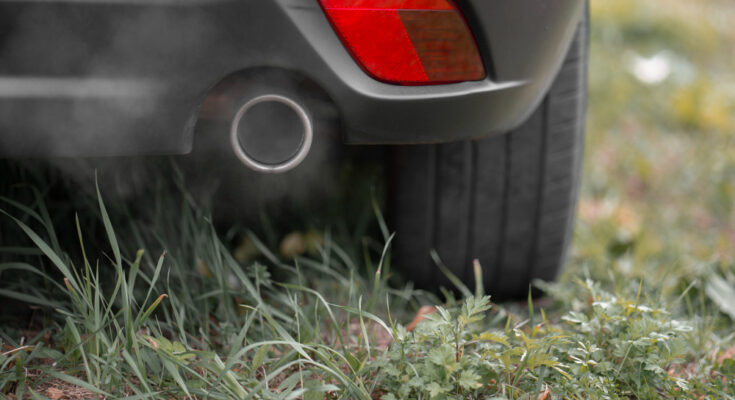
<point>189,320</point>
<point>166,309</point>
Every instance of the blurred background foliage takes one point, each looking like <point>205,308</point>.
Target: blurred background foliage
<point>659,183</point>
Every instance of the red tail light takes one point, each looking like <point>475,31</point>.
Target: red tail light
<point>408,42</point>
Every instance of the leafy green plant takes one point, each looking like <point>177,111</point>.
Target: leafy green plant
<point>626,345</point>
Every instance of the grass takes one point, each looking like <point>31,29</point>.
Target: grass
<point>194,321</point>
<point>145,299</point>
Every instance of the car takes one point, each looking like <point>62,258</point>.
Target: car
<point>479,104</point>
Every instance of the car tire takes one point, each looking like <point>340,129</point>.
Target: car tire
<point>507,200</point>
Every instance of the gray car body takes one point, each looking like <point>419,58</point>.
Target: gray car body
<point>127,77</point>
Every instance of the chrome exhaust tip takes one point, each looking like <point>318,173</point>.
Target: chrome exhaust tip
<point>271,133</point>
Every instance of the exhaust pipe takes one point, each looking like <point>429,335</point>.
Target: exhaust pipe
<point>271,133</point>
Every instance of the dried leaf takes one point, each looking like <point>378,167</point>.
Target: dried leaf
<point>203,268</point>
<point>54,393</point>
<point>545,394</point>
<point>292,245</point>
<point>420,316</point>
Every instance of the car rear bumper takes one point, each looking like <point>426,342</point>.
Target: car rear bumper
<point>523,43</point>
<point>165,56</point>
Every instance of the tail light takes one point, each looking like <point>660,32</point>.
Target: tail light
<point>407,42</point>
